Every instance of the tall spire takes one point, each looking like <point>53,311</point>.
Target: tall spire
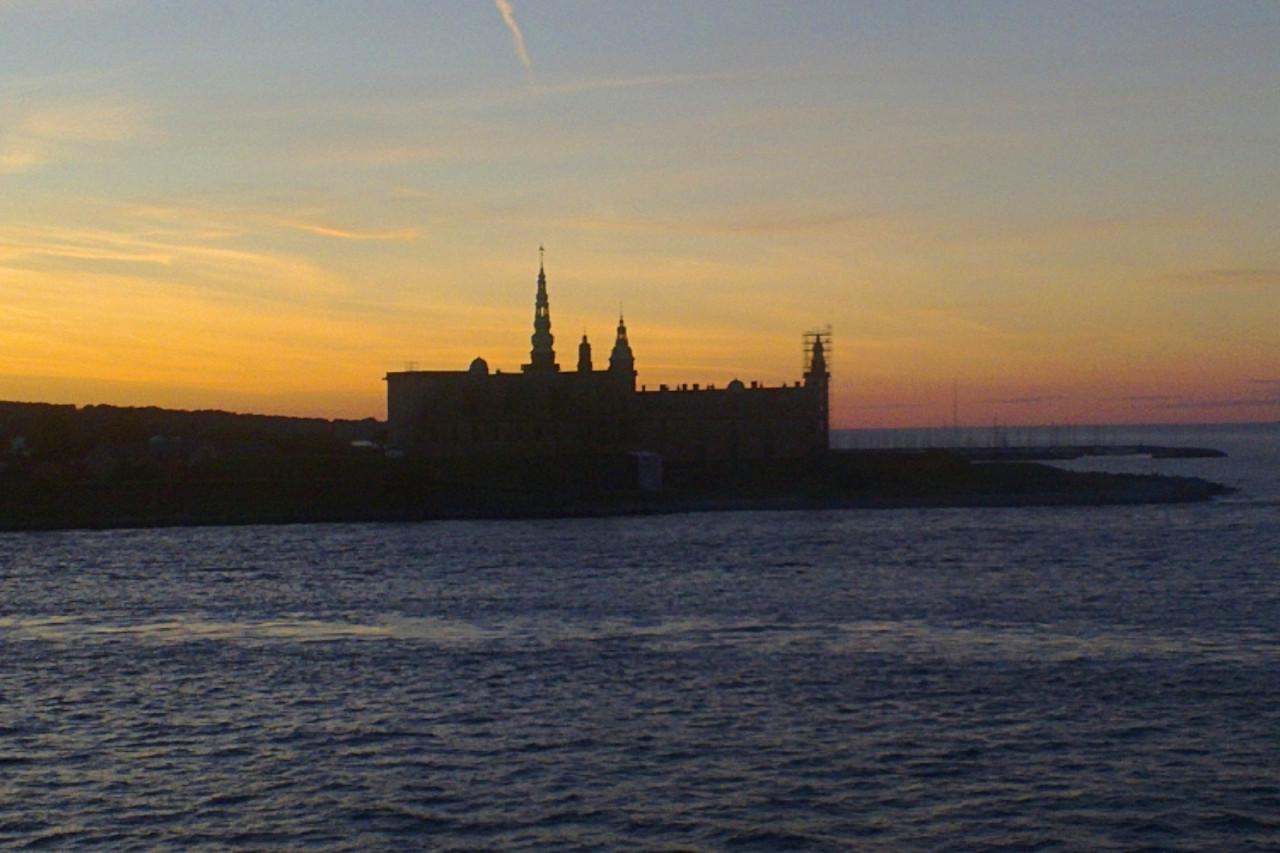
<point>542,358</point>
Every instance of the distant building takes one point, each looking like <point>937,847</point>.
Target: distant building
<point>543,411</point>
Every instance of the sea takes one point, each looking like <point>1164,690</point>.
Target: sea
<point>1029,679</point>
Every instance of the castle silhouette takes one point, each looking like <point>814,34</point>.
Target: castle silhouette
<point>543,411</point>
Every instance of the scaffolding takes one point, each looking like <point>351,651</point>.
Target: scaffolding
<point>811,340</point>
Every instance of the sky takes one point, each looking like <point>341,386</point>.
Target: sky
<point>1006,212</point>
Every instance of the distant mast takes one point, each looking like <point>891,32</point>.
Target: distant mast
<point>955,411</point>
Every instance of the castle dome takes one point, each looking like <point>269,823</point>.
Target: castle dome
<point>479,367</point>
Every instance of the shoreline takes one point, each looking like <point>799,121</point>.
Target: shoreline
<point>381,491</point>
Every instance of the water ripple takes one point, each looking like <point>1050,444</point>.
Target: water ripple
<point>806,681</point>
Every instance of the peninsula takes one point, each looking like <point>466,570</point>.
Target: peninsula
<point>106,466</point>
<point>537,442</point>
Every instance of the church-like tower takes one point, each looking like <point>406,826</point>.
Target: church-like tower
<point>621,361</point>
<point>542,358</point>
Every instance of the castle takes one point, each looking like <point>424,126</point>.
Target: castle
<point>544,411</point>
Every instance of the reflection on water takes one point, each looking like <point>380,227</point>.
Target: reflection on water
<point>73,630</point>
<point>913,638</point>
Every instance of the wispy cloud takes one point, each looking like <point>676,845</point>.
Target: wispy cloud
<point>508,15</point>
<point>381,155</point>
<point>54,132</point>
<point>575,86</point>
<point>1172,402</point>
<point>176,256</point>
<point>750,223</point>
<point>886,406</point>
<point>206,220</point>
<point>26,246</point>
<point>19,155</point>
<point>347,233</point>
<point>1230,403</point>
<point>91,121</point>
<point>1239,277</point>
<point>1027,401</point>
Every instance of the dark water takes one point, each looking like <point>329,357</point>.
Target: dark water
<point>1016,679</point>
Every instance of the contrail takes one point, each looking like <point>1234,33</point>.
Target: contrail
<point>504,6</point>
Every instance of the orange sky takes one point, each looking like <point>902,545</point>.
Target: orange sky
<point>1032,213</point>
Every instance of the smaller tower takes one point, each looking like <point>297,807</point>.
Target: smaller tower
<point>584,355</point>
<point>817,380</point>
<point>621,361</point>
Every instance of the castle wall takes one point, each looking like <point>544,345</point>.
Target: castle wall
<point>732,423</point>
<point>452,413</point>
